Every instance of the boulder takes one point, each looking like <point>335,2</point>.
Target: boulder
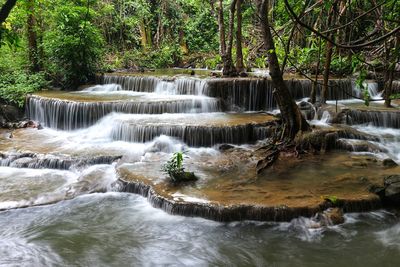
<point>9,113</point>
<point>225,147</point>
<point>389,163</point>
<point>307,109</point>
<point>335,215</point>
<point>331,216</point>
<point>390,191</point>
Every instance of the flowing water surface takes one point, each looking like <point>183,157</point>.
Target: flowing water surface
<point>58,205</point>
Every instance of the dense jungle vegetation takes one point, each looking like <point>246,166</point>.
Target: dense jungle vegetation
<point>64,43</point>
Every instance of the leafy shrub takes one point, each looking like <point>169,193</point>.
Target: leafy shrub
<point>211,63</point>
<point>341,66</point>
<point>167,55</point>
<point>14,86</point>
<point>174,168</point>
<point>73,47</point>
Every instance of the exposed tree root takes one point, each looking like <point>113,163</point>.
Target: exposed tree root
<point>314,142</point>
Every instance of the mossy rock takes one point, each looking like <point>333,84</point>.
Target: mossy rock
<point>180,177</point>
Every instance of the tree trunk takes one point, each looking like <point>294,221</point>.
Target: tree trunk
<point>239,52</point>
<point>229,69</point>
<point>390,73</point>
<point>327,69</point>
<point>143,34</point>
<point>6,9</point>
<point>313,96</point>
<point>328,56</point>
<point>221,28</point>
<point>290,113</point>
<point>32,38</point>
<point>182,42</point>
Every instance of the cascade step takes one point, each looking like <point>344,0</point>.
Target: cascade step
<point>197,130</point>
<point>375,114</point>
<point>248,94</point>
<point>73,110</point>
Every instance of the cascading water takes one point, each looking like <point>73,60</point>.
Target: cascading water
<point>70,115</point>
<point>179,85</point>
<point>46,166</point>
<point>380,118</point>
<point>249,94</point>
<point>194,129</point>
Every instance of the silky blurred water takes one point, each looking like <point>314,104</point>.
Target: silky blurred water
<point>117,229</point>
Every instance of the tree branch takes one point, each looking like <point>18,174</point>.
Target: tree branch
<point>6,9</point>
<point>323,36</point>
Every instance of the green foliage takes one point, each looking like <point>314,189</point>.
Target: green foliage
<point>211,63</point>
<point>166,56</point>
<point>260,62</point>
<point>201,32</point>
<point>74,46</point>
<point>341,66</point>
<point>8,36</point>
<point>176,172</point>
<point>333,199</point>
<point>14,86</point>
<point>358,66</point>
<point>395,96</point>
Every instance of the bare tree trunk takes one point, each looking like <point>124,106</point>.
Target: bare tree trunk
<point>291,115</point>
<point>327,69</point>
<point>328,57</point>
<point>160,27</point>
<point>221,28</point>
<point>6,9</point>
<point>390,73</point>
<point>239,52</point>
<point>32,38</point>
<point>143,35</point>
<point>182,42</point>
<point>313,96</point>
<point>229,69</point>
<point>328,53</point>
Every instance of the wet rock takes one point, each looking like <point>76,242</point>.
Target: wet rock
<point>331,216</point>
<point>392,188</point>
<point>225,147</point>
<point>335,215</point>
<point>2,120</point>
<point>358,146</point>
<point>390,191</point>
<point>307,109</point>
<point>182,177</point>
<point>389,163</point>
<point>9,114</point>
<point>377,189</point>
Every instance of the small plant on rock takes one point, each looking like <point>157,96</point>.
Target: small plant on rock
<point>176,172</point>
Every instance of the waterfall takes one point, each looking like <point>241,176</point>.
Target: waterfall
<point>195,136</point>
<point>179,85</point>
<point>197,130</point>
<point>238,94</point>
<point>70,115</point>
<point>104,88</point>
<point>257,94</point>
<point>372,88</point>
<point>389,119</point>
<point>133,83</point>
<point>38,161</point>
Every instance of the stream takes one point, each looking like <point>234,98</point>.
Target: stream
<point>60,206</point>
